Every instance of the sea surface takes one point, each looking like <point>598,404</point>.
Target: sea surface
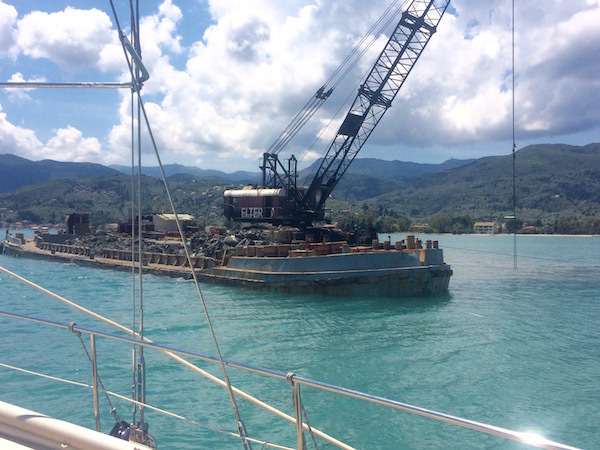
<point>518,348</point>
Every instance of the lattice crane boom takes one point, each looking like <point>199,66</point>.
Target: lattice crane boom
<point>417,24</point>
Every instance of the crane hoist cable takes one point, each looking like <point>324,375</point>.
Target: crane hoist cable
<point>351,94</point>
<point>323,93</point>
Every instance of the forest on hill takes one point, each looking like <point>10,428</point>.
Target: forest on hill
<point>556,191</point>
<point>107,199</point>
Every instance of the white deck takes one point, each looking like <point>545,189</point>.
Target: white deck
<point>21,428</point>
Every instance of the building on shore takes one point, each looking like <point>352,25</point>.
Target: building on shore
<point>485,228</point>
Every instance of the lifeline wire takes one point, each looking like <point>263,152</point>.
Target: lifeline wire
<point>132,401</point>
<point>538,441</point>
<point>170,354</point>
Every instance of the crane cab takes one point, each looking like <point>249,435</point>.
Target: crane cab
<point>252,204</point>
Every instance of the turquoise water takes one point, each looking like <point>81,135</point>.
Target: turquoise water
<point>518,349</point>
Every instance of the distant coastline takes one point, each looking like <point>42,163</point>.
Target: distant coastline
<point>30,231</point>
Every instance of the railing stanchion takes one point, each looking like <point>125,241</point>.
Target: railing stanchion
<point>297,410</point>
<point>95,381</point>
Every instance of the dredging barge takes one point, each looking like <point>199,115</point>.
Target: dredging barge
<point>332,268</point>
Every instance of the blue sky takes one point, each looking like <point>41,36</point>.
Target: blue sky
<point>226,77</point>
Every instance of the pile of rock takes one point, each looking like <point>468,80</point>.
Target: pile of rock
<point>99,241</point>
<point>201,243</point>
<point>208,244</point>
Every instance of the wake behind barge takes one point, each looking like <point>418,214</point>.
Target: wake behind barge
<point>333,268</point>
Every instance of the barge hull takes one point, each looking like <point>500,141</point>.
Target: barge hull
<point>380,273</point>
<point>376,273</point>
<point>403,282</point>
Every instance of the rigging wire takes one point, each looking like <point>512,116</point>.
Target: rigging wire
<point>143,114</point>
<point>514,145</point>
<point>352,93</point>
<point>134,82</point>
<point>140,367</point>
<point>133,237</point>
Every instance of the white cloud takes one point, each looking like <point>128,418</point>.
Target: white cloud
<point>559,82</point>
<point>73,38</point>
<point>261,60</point>
<point>460,91</point>
<point>8,17</point>
<point>164,26</point>
<point>20,94</point>
<point>242,83</point>
<point>17,140</point>
<point>223,94</point>
<point>68,144</point>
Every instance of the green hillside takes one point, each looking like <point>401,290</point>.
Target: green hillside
<point>555,184</point>
<point>557,190</point>
<point>17,172</point>
<point>551,180</point>
<point>106,199</point>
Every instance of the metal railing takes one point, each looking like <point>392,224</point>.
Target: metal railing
<point>296,381</point>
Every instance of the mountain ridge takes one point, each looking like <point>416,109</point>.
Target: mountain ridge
<point>17,172</point>
<point>552,181</point>
<point>179,169</point>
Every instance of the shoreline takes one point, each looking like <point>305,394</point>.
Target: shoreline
<point>386,233</point>
<point>495,235</point>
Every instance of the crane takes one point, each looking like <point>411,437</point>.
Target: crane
<point>280,201</point>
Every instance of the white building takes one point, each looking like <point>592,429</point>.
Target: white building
<point>167,223</point>
<point>485,228</point>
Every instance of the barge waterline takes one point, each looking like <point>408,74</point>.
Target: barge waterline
<point>321,268</point>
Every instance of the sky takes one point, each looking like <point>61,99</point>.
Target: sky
<point>226,77</point>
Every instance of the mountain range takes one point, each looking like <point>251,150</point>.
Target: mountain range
<point>17,172</point>
<point>360,166</point>
<point>552,180</point>
<point>194,172</point>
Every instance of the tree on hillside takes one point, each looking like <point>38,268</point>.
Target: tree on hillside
<point>513,225</point>
<point>446,223</point>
